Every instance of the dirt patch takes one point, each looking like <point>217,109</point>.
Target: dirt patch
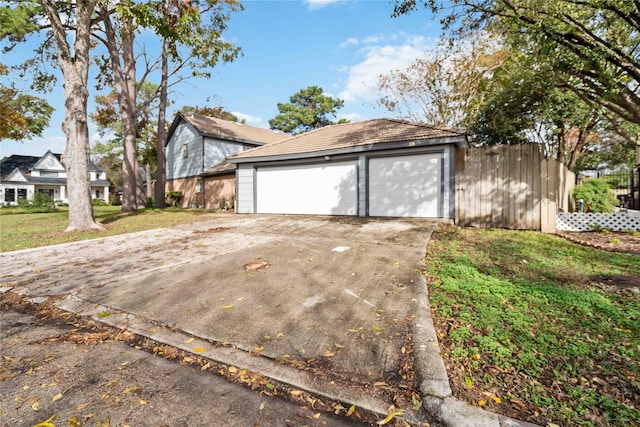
<point>613,241</point>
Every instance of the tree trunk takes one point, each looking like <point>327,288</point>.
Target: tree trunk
<point>75,72</point>
<point>162,132</point>
<point>122,63</point>
<point>149,190</point>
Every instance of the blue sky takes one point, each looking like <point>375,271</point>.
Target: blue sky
<point>340,45</point>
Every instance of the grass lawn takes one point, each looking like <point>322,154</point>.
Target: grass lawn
<point>20,229</point>
<point>526,331</point>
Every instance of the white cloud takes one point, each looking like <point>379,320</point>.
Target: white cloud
<point>251,120</point>
<point>352,117</point>
<point>318,4</point>
<point>362,77</point>
<point>351,41</point>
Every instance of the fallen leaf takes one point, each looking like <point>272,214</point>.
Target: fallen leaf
<point>262,406</point>
<point>482,402</point>
<point>258,265</point>
<point>128,390</point>
<point>329,354</point>
<point>496,399</point>
<point>205,366</point>
<point>35,405</point>
<point>317,415</point>
<point>142,401</point>
<point>198,350</point>
<point>296,392</point>
<point>81,406</point>
<point>353,330</point>
<point>338,345</point>
<point>258,349</point>
<point>392,413</point>
<point>376,328</point>
<point>46,423</point>
<point>232,369</point>
<point>227,306</point>
<point>190,340</point>
<point>57,397</point>
<point>351,410</point>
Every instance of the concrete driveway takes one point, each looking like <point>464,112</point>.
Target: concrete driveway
<point>324,304</point>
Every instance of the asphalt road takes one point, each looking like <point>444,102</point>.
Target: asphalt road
<point>84,377</point>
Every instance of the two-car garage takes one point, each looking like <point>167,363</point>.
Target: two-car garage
<point>380,167</point>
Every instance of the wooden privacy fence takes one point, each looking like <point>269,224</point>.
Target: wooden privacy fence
<point>510,186</point>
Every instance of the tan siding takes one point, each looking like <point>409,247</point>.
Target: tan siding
<point>217,189</point>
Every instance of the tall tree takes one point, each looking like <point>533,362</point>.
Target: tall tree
<point>593,44</point>
<point>306,110</point>
<point>446,86</point>
<point>70,43</point>
<point>22,116</point>
<point>216,112</point>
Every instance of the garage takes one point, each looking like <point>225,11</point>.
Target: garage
<point>405,186</point>
<point>380,167</point>
<point>321,189</point>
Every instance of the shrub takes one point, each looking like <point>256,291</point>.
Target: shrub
<point>41,203</point>
<point>175,197</point>
<point>596,194</point>
<point>151,202</point>
<point>98,202</point>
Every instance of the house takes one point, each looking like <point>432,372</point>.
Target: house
<point>195,158</point>
<point>23,176</point>
<point>381,167</point>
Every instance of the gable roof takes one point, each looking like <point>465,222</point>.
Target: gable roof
<point>355,135</point>
<point>224,129</point>
<point>27,163</point>
<point>16,161</point>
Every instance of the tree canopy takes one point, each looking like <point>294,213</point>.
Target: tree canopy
<point>306,110</point>
<point>593,45</point>
<point>22,116</point>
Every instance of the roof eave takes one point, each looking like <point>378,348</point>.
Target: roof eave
<point>459,141</point>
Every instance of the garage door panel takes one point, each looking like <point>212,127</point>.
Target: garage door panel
<point>404,186</point>
<point>327,189</point>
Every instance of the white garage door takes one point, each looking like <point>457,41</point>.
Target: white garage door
<point>405,186</point>
<point>326,189</point>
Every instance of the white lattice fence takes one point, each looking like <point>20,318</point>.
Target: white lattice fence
<point>619,221</point>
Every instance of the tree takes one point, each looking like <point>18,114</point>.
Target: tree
<point>523,102</point>
<point>216,112</point>
<point>592,44</point>
<point>22,116</point>
<point>107,118</point>
<point>445,87</point>
<point>307,109</point>
<point>70,47</point>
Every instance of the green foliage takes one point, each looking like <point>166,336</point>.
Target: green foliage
<point>98,202</point>
<point>551,339</point>
<point>596,194</point>
<point>308,109</point>
<point>174,197</point>
<point>41,203</point>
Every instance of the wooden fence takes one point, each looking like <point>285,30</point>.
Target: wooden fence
<point>510,187</point>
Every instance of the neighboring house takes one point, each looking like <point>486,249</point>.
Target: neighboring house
<point>195,158</point>
<point>23,176</point>
<point>381,167</point>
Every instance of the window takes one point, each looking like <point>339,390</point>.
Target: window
<point>185,151</point>
<point>97,194</point>
<point>10,195</point>
<point>49,173</point>
<point>22,193</point>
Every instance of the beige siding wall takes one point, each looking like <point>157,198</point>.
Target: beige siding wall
<point>218,191</point>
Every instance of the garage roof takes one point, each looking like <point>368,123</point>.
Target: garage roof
<point>357,134</point>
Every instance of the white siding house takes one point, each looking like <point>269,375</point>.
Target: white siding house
<point>23,176</point>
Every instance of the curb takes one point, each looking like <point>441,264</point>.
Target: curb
<point>433,380</point>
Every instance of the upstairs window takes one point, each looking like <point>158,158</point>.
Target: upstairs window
<point>185,151</point>
<point>49,173</point>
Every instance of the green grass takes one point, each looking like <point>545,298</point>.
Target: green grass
<point>525,333</point>
<point>21,229</point>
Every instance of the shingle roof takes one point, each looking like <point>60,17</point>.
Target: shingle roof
<point>225,129</point>
<point>221,168</point>
<point>23,163</point>
<point>348,135</point>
